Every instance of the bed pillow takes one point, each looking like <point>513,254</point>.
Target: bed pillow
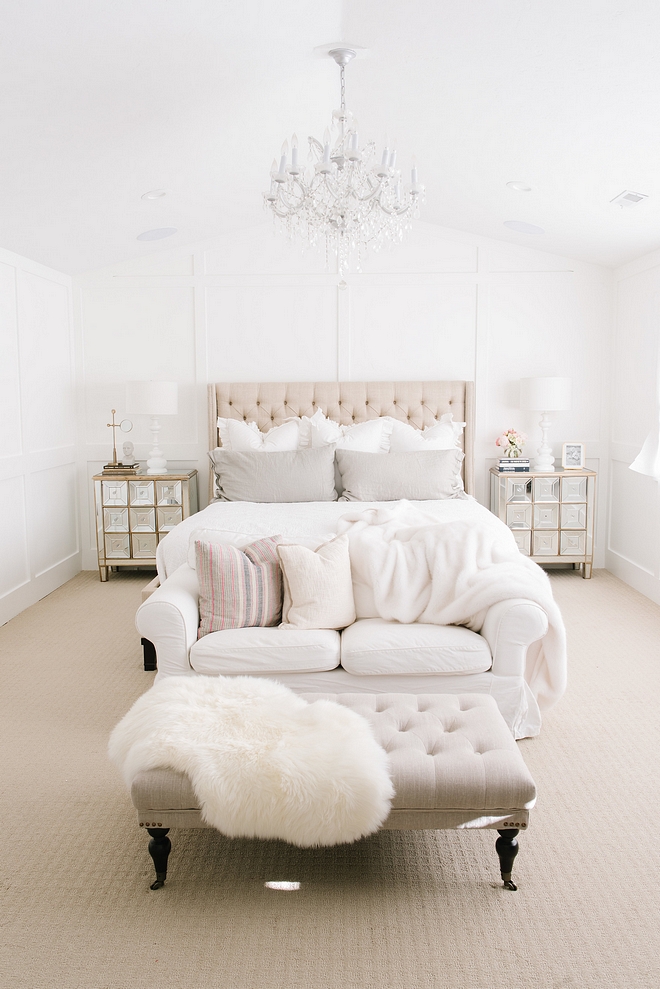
<point>243,436</point>
<point>291,476</point>
<point>443,435</point>
<point>372,436</point>
<point>420,475</point>
<point>318,589</point>
<point>238,588</point>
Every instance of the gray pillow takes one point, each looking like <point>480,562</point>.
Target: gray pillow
<point>420,475</point>
<point>292,475</point>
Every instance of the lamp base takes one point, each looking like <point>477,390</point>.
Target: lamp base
<point>156,464</point>
<point>545,460</point>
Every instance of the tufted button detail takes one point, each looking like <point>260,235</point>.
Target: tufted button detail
<point>231,403</point>
<point>272,418</point>
<point>353,418</point>
<point>244,418</point>
<point>258,403</point>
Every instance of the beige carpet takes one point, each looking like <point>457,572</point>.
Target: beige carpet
<point>408,910</point>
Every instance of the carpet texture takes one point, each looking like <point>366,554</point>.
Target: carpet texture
<point>397,910</point>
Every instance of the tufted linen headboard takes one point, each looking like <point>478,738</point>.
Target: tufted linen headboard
<point>419,403</point>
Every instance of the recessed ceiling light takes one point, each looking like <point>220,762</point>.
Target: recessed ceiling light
<point>519,186</point>
<point>523,228</point>
<point>154,194</point>
<point>286,886</point>
<point>157,234</point>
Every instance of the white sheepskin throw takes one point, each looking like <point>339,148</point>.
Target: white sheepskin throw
<point>263,762</point>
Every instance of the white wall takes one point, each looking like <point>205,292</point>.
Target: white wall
<point>39,541</point>
<point>633,533</point>
<point>249,307</point>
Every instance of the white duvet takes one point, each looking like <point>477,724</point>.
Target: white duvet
<point>304,521</point>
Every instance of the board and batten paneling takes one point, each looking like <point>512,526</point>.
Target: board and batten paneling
<point>39,528</point>
<point>633,532</point>
<point>252,307</point>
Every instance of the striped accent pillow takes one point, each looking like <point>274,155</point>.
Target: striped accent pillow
<point>238,588</point>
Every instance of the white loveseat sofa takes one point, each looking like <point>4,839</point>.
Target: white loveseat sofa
<point>371,655</point>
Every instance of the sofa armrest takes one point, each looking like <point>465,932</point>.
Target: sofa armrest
<point>169,618</point>
<point>509,628</point>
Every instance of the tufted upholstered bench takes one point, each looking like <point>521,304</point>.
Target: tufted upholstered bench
<point>454,764</point>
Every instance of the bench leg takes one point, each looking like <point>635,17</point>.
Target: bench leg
<point>159,849</point>
<point>506,847</point>
<point>148,654</point>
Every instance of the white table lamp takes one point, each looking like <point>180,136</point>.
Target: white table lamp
<point>545,395</point>
<point>153,398</point>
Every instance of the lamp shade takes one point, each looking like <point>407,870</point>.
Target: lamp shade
<point>152,398</point>
<point>545,394</point>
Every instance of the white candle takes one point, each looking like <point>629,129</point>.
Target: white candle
<point>326,146</point>
<point>294,153</point>
<point>413,172</point>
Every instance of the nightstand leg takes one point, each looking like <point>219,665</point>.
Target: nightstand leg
<point>586,571</point>
<point>103,573</point>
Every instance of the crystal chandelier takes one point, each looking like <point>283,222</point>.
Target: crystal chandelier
<point>345,199</point>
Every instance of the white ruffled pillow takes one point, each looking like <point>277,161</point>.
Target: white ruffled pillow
<point>372,436</point>
<point>443,435</point>
<point>241,437</point>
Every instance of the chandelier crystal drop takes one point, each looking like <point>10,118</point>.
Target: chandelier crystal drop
<point>345,199</point>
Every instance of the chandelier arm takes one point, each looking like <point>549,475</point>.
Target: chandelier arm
<point>394,211</point>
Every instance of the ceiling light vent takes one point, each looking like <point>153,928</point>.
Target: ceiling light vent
<point>627,199</point>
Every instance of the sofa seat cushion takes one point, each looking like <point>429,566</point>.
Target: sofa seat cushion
<point>373,645</point>
<point>266,650</point>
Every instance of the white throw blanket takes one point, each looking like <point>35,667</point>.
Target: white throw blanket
<point>263,762</point>
<point>450,573</point>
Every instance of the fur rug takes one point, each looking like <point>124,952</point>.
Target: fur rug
<point>263,762</point>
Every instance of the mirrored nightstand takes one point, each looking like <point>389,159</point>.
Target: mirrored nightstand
<point>134,511</point>
<point>551,515</point>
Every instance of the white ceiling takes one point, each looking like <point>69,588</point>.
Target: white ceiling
<point>101,102</point>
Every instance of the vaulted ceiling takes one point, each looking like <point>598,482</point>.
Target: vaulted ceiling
<point>102,102</point>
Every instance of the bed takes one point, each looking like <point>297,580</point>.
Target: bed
<point>505,638</point>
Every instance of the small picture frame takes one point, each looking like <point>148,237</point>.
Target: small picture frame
<point>572,456</point>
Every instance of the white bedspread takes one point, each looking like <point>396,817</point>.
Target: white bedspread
<point>449,571</point>
<point>301,521</point>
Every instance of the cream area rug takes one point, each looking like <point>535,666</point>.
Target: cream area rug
<point>263,762</point>
<point>396,910</point>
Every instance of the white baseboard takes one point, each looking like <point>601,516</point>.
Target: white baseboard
<point>34,590</point>
<point>643,581</point>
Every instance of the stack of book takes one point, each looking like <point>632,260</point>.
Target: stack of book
<point>513,465</point>
<point>120,468</point>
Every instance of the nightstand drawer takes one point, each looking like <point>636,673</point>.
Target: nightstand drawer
<point>573,516</point>
<point>518,490</point>
<point>118,547</point>
<point>115,519</point>
<point>519,516</point>
<point>141,492</point>
<point>546,489</point>
<point>143,545</point>
<point>168,493</point>
<point>573,543</point>
<point>143,519</point>
<point>114,492</point>
<point>574,489</point>
<point>546,543</point>
<point>546,516</point>
<point>523,538</point>
<point>168,518</point>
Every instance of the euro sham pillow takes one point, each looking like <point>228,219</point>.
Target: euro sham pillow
<point>318,588</point>
<point>420,475</point>
<point>371,436</point>
<point>240,436</point>
<point>238,588</point>
<point>289,476</point>
<point>442,435</point>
